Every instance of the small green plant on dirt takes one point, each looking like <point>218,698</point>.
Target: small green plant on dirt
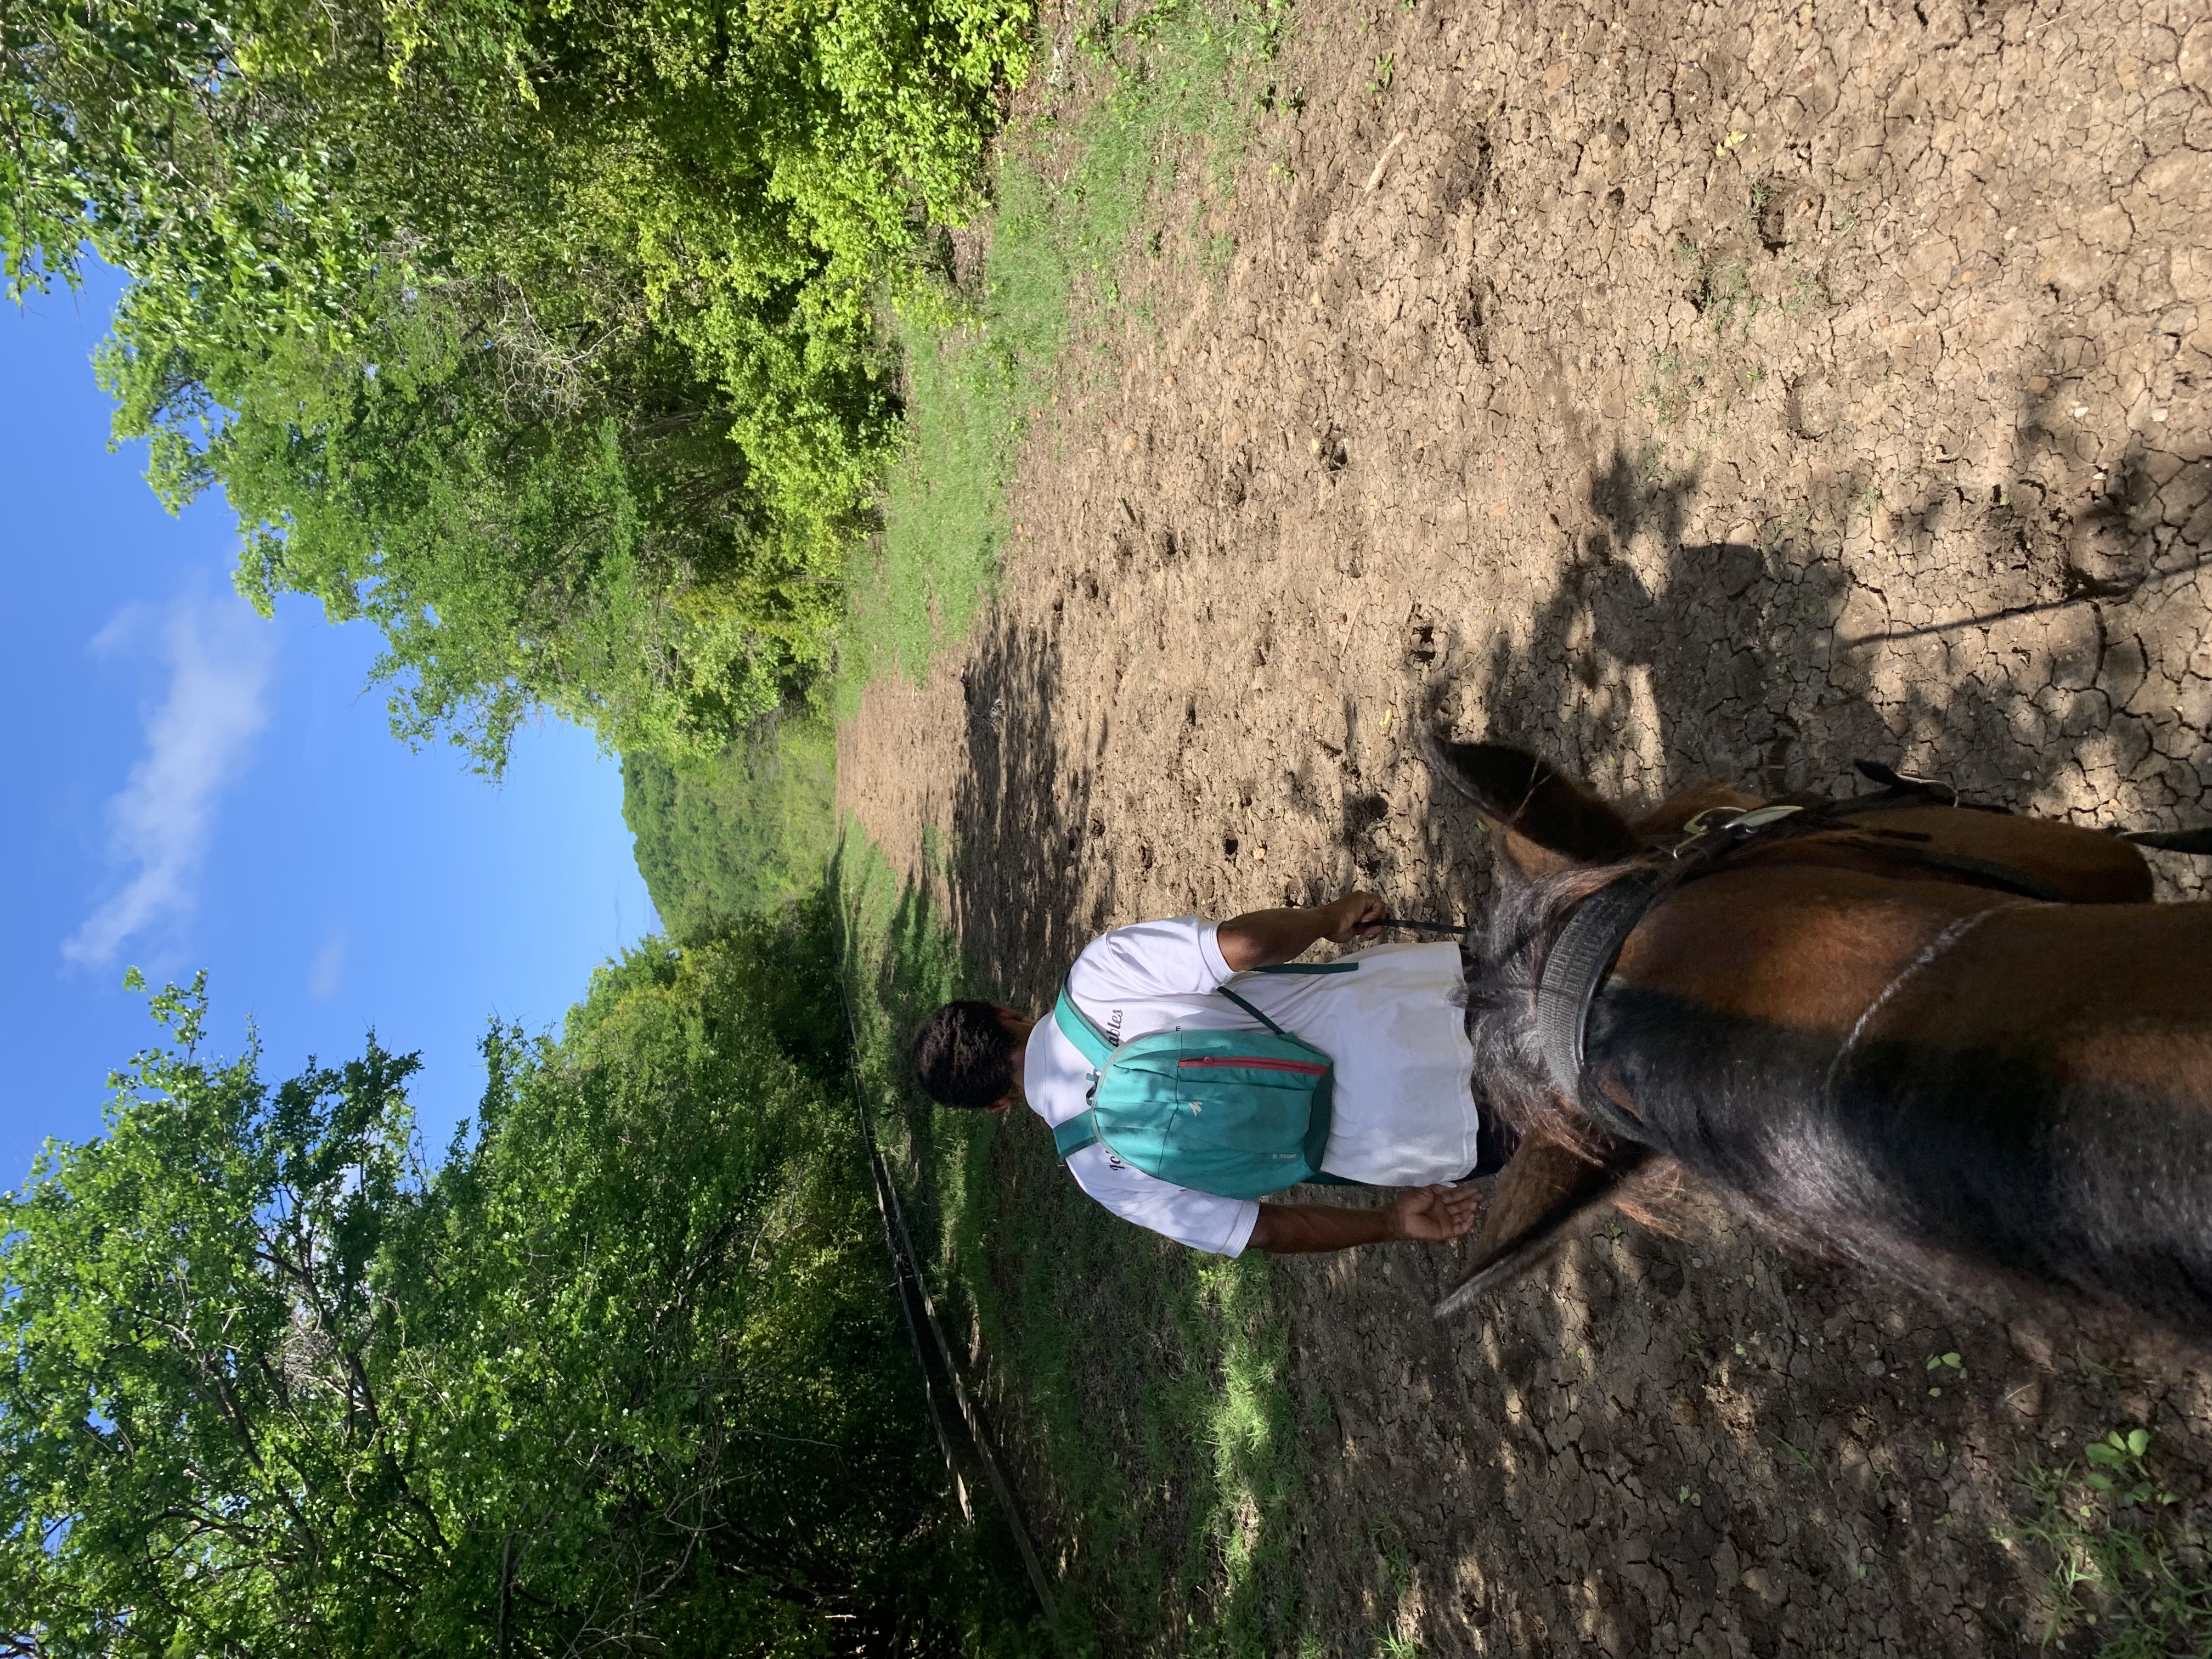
<point>1808,291</point>
<point>1796,1453</point>
<point>1396,1639</point>
<point>1722,294</point>
<point>1386,67</point>
<point>2128,1559</point>
<point>1397,1563</point>
<point>2092,1367</point>
<point>1655,472</point>
<point>1677,387</point>
<point>1945,1365</point>
<point>2120,1474</point>
<point>1784,528</point>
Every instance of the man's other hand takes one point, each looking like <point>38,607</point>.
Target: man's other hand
<point>1259,938</point>
<point>1417,1215</point>
<point>1433,1214</point>
<point>1355,916</point>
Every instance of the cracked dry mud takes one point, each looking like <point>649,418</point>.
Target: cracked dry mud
<point>1698,391</point>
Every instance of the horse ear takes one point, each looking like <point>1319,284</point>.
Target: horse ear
<point>1548,822</point>
<point>1524,861</point>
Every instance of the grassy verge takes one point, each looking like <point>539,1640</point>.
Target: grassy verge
<point>1141,1392</point>
<point>2129,1559</point>
<point>1082,186</point>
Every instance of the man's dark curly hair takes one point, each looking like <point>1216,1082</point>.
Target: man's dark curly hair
<point>963,1057</point>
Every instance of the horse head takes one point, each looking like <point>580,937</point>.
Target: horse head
<point>1960,1045</point>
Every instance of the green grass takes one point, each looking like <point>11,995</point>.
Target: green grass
<point>2130,1561</point>
<point>1171,94</point>
<point>1143,1387</point>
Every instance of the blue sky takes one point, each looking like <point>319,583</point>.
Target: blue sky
<point>192,786</point>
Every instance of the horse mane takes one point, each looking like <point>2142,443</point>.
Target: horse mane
<point>1500,998</point>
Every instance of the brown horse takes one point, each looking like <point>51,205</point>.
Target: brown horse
<point>1954,1044</point>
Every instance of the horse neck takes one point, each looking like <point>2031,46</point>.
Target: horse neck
<point>1912,1071</point>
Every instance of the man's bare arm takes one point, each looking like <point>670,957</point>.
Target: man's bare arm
<point>1259,938</point>
<point>1429,1214</point>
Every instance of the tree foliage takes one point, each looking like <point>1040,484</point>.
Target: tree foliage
<point>544,336</point>
<point>620,1371</point>
<point>740,836</point>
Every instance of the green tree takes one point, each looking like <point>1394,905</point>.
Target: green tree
<point>620,1371</point>
<point>544,336</point>
<point>743,834</point>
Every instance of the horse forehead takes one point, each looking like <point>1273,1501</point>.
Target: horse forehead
<point>2085,983</point>
<point>1800,947</point>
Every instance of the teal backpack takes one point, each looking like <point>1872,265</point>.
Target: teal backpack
<point>1237,1114</point>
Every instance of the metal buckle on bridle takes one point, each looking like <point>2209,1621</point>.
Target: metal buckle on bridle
<point>1733,822</point>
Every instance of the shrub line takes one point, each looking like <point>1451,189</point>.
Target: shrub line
<point>906,1266</point>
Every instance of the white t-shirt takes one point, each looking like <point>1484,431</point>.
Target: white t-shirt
<point>1404,1113</point>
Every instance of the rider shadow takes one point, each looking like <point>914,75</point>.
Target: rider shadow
<point>1764,662</point>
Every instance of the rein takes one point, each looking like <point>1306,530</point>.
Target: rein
<point>1582,955</point>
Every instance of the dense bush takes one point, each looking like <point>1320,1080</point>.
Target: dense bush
<point>543,336</point>
<point>740,836</point>
<point>621,1372</point>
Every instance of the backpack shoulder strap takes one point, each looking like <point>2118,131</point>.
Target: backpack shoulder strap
<point>1072,1136</point>
<point>1250,1010</point>
<point>1080,1029</point>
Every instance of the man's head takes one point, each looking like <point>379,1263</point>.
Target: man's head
<point>970,1054</point>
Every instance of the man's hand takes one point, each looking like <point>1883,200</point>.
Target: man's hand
<point>1354,916</point>
<point>1425,1214</point>
<point>1260,938</point>
<point>1432,1214</point>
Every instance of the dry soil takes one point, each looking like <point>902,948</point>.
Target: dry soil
<point>1688,391</point>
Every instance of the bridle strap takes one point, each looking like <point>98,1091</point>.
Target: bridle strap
<point>1575,965</point>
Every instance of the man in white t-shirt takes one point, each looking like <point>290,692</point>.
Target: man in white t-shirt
<point>1405,1112</point>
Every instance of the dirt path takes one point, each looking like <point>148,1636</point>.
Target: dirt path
<point>1695,392</point>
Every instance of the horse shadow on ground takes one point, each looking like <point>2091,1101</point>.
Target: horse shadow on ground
<point>2005,650</point>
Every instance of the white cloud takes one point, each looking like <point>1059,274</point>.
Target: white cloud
<point>219,657</point>
<point>328,969</point>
